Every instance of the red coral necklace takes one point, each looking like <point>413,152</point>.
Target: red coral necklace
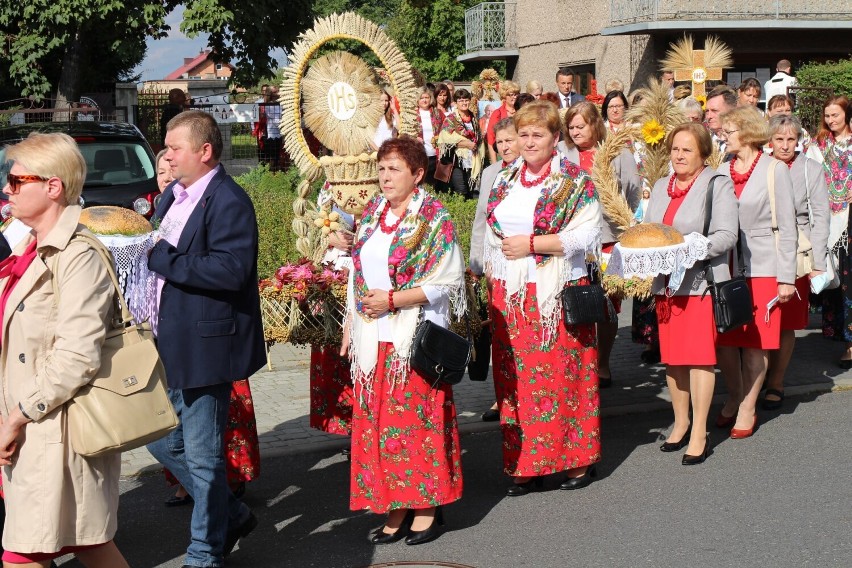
<point>536,181</point>
<point>743,178</point>
<point>675,193</point>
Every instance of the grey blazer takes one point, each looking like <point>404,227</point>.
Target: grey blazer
<point>477,235</point>
<point>690,218</point>
<point>809,189</point>
<point>628,177</point>
<point>762,256</point>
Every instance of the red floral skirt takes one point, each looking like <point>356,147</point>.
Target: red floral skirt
<point>331,391</point>
<point>795,313</point>
<point>242,450</point>
<point>548,396</point>
<point>405,443</point>
<point>687,330</point>
<point>759,334</point>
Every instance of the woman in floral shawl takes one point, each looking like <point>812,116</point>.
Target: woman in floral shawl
<point>832,147</point>
<point>545,219</point>
<point>461,140</point>
<point>405,446</point>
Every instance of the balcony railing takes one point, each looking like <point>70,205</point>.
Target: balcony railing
<point>625,12</point>
<point>490,25</point>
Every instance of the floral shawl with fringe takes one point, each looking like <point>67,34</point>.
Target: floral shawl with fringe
<point>568,206</point>
<point>424,251</point>
<point>453,132</point>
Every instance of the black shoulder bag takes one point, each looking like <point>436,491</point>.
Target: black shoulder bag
<point>732,301</point>
<point>438,354</point>
<point>587,303</point>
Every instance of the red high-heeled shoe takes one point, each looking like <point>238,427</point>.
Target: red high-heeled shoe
<point>738,434</point>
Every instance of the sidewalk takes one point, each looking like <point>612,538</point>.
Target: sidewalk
<point>281,396</point>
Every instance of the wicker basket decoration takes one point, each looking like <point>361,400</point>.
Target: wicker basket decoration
<point>303,304</point>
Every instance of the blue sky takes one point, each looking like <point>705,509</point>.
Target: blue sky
<point>167,54</point>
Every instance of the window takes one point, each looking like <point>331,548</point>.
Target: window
<point>218,67</point>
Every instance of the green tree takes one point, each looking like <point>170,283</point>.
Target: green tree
<point>62,43</point>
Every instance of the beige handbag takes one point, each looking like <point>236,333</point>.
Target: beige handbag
<point>804,249</point>
<point>126,404</point>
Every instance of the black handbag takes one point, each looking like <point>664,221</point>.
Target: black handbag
<point>733,305</point>
<point>587,303</point>
<point>438,354</point>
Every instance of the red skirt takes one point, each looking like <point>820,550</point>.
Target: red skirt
<point>331,391</point>
<point>795,313</point>
<point>405,444</point>
<point>242,449</point>
<point>548,396</point>
<point>759,334</point>
<point>687,330</point>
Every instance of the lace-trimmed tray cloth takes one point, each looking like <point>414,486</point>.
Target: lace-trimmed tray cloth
<point>131,266</point>
<point>672,260</point>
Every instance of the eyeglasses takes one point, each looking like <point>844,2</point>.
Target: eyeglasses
<point>615,107</point>
<point>15,181</point>
<point>727,133</point>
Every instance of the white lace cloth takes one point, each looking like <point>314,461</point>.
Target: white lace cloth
<point>674,260</point>
<point>138,284</point>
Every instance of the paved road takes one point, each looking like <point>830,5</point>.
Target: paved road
<point>281,396</point>
<point>779,499</point>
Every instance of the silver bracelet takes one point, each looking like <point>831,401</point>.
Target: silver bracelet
<point>21,408</point>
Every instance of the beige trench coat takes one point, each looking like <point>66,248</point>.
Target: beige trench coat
<point>55,498</point>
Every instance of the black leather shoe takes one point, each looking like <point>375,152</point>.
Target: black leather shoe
<point>675,446</point>
<point>580,482</point>
<point>491,415</point>
<point>379,536</point>
<point>521,489</point>
<point>695,460</point>
<point>175,501</point>
<point>236,533</point>
<point>428,535</point>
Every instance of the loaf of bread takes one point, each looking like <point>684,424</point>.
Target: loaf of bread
<point>109,220</point>
<point>650,235</point>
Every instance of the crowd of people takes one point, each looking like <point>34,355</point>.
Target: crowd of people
<point>776,212</point>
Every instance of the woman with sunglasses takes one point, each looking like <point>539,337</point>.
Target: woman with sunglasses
<point>51,348</point>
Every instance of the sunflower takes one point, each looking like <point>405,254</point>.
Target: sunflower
<point>703,100</point>
<point>653,132</point>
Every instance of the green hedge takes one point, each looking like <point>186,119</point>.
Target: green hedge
<point>273,195</point>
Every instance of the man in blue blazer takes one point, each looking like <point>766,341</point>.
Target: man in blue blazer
<point>208,325</point>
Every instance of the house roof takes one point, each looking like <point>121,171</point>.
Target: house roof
<point>188,65</point>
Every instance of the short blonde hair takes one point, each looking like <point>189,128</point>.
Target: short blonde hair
<point>538,113</point>
<point>613,85</point>
<point>700,134</point>
<point>509,88</point>
<point>52,155</point>
<point>534,86</point>
<point>752,127</point>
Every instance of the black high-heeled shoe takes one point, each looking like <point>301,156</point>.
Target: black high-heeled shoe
<point>427,535</point>
<point>521,489</point>
<point>379,536</point>
<point>695,460</point>
<point>580,482</point>
<point>675,446</point>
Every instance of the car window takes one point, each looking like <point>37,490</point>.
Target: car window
<point>116,162</point>
<point>4,169</point>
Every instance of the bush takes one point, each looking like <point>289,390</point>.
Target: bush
<point>273,195</point>
<point>834,76</point>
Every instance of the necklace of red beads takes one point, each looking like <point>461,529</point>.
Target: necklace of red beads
<point>539,179</point>
<point>388,229</point>
<point>676,193</point>
<point>743,178</point>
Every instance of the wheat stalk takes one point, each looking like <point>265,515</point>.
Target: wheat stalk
<point>615,207</point>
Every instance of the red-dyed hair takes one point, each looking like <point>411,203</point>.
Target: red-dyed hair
<point>409,150</point>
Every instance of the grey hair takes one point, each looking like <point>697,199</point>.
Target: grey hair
<point>690,104</point>
<point>783,122</point>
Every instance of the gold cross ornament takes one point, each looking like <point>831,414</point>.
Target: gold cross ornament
<point>697,65</point>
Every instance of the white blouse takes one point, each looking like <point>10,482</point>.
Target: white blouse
<point>428,132</point>
<point>374,262</point>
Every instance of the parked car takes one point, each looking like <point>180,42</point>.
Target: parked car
<point>120,167</point>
